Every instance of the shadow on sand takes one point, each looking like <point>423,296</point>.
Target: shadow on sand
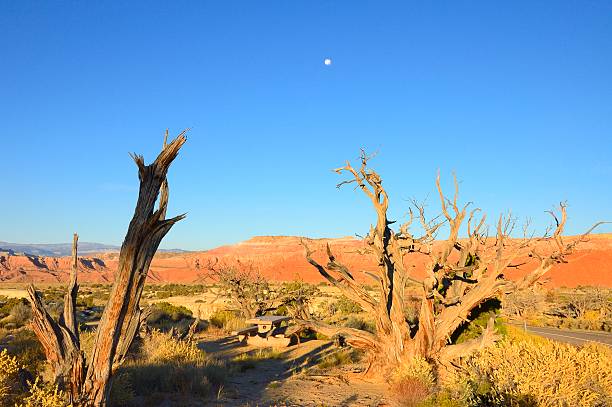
<point>248,387</point>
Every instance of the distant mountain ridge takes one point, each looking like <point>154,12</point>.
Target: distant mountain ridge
<point>64,249</point>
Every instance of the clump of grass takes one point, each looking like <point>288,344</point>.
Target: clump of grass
<point>226,320</point>
<point>14,312</point>
<point>166,365</point>
<point>360,323</point>
<point>248,360</point>
<point>25,346</point>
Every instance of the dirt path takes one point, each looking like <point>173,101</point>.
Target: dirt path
<point>292,379</point>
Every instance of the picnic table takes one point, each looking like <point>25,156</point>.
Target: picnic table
<point>265,331</point>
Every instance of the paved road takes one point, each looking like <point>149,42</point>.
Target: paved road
<point>574,337</point>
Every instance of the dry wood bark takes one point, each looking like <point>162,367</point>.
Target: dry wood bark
<point>60,339</point>
<point>122,316</point>
<point>462,273</point>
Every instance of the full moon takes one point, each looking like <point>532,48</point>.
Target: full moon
<point>327,61</point>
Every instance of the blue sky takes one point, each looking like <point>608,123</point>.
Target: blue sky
<point>515,97</point>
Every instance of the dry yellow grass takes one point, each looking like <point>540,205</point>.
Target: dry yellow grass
<point>162,348</point>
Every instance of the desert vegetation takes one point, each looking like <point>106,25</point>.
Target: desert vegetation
<point>161,368</point>
<point>577,308</point>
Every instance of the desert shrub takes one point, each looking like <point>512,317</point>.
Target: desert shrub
<point>85,301</point>
<point>171,290</point>
<point>409,392</point>
<point>27,349</point>
<point>345,305</point>
<point>163,295</point>
<point>14,312</point>
<point>295,299</point>
<point>418,368</point>
<point>524,303</point>
<point>360,323</point>
<point>248,291</point>
<point>523,371</point>
<point>44,396</point>
<point>412,383</point>
<point>443,398</point>
<point>9,368</point>
<point>86,339</point>
<point>478,318</point>
<point>339,358</point>
<point>21,313</point>
<point>164,313</point>
<point>412,309</point>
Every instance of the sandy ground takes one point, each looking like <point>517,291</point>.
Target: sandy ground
<point>293,380</point>
<point>13,293</point>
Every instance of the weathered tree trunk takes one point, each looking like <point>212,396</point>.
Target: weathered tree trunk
<point>122,316</point>
<point>461,275</point>
<point>60,340</point>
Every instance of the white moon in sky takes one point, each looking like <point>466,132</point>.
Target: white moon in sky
<point>327,61</point>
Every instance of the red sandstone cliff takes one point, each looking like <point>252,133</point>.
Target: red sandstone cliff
<point>281,258</point>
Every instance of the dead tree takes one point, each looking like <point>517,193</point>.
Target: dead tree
<point>252,295</point>
<point>60,340</point>
<point>249,293</point>
<point>122,315</point>
<point>461,274</point>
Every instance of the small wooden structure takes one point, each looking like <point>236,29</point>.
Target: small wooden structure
<point>265,331</point>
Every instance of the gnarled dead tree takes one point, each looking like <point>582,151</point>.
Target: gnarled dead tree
<point>248,292</point>
<point>252,295</point>
<point>462,273</point>
<point>122,315</point>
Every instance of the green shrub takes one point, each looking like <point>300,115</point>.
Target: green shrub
<point>164,311</point>
<point>14,311</point>
<point>345,305</point>
<point>478,321</point>
<point>163,294</point>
